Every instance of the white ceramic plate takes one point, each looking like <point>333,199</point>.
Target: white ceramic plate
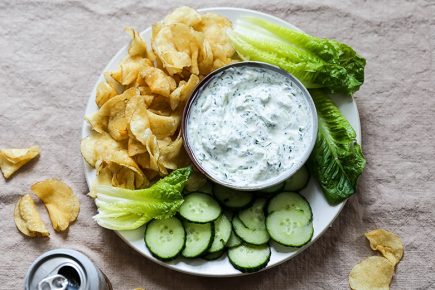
<point>323,213</point>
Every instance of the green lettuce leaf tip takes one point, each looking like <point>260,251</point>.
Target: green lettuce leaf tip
<point>337,160</point>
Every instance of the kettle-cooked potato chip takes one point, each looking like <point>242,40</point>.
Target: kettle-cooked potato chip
<point>163,126</point>
<point>101,147</point>
<point>27,218</point>
<point>214,28</point>
<point>183,92</point>
<point>13,159</point>
<point>116,105</point>
<point>62,204</point>
<point>162,43</point>
<point>185,15</point>
<point>137,45</point>
<point>373,273</point>
<point>387,243</point>
<point>104,93</point>
<point>158,81</point>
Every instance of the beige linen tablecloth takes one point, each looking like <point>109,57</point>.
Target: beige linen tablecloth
<point>51,53</point>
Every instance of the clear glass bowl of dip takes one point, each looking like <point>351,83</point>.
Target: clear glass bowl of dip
<point>249,126</point>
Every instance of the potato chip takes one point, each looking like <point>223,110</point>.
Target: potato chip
<point>158,81</point>
<point>214,28</point>
<point>173,155</point>
<point>162,43</point>
<point>104,177</point>
<point>163,126</point>
<point>137,45</point>
<point>108,76</point>
<point>183,92</point>
<point>101,147</point>
<point>387,243</point>
<point>113,110</point>
<point>130,68</point>
<point>27,218</point>
<point>373,273</point>
<point>62,204</point>
<point>134,147</point>
<point>13,159</point>
<point>104,93</point>
<point>185,15</point>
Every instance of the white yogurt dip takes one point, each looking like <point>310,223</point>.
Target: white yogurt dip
<point>249,125</point>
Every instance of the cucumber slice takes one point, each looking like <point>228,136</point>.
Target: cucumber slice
<point>253,218</point>
<point>206,188</point>
<point>249,258</point>
<point>199,238</point>
<point>213,256</point>
<point>232,198</point>
<point>298,180</point>
<point>234,241</point>
<point>200,208</point>
<point>289,227</point>
<point>165,238</point>
<point>222,234</point>
<point>255,237</point>
<point>273,188</point>
<point>290,201</point>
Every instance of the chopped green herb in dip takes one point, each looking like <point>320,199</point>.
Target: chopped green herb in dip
<point>249,125</point>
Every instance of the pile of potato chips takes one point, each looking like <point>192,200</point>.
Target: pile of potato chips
<point>62,205</point>
<point>136,133</point>
<point>376,272</point>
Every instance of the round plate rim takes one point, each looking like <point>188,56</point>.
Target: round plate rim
<point>86,129</point>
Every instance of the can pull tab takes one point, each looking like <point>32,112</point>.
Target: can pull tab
<point>55,282</point>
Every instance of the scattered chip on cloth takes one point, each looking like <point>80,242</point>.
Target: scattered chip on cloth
<point>62,204</point>
<point>27,218</point>
<point>388,243</point>
<point>13,159</point>
<point>372,273</point>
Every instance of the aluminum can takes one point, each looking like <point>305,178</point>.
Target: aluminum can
<point>65,269</point>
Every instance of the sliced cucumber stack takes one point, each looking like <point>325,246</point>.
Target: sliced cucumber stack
<point>222,234</point>
<point>232,198</point>
<point>249,258</point>
<point>200,208</point>
<point>165,238</point>
<point>199,238</point>
<point>298,180</point>
<point>243,229</point>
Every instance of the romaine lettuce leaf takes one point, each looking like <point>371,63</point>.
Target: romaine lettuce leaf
<point>337,159</point>
<point>316,62</point>
<point>125,209</point>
